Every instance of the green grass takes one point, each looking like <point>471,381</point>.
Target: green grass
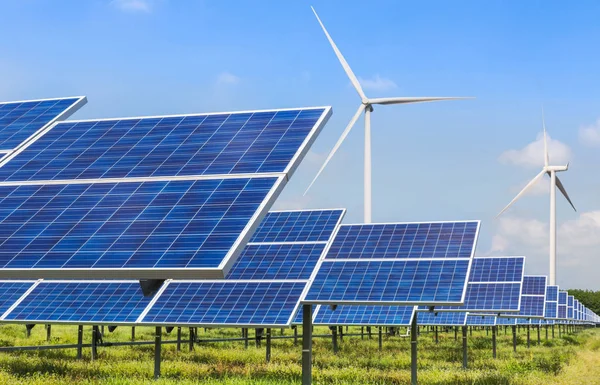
<point>358,362</point>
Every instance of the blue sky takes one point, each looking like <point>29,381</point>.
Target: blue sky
<point>436,161</point>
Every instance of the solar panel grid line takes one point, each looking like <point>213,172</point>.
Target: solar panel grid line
<point>155,297</point>
<point>298,142</point>
<point>78,102</point>
<point>21,298</point>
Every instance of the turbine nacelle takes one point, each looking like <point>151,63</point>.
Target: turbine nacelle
<point>557,168</point>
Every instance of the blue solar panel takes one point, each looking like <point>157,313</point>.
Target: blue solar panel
<point>226,303</point>
<point>534,285</point>
<point>552,293</point>
<point>481,320</point>
<point>364,315</point>
<point>497,269</point>
<point>562,311</point>
<point>442,318</point>
<point>532,306</point>
<point>562,298</point>
<point>298,226</point>
<point>405,240</point>
<point>20,120</point>
<point>277,261</point>
<point>207,144</point>
<point>191,224</point>
<point>389,282</point>
<point>551,302</point>
<point>506,321</point>
<point>570,302</point>
<point>493,297</point>
<point>11,291</point>
<point>81,302</point>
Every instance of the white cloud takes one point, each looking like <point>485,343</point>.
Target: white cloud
<point>133,5</point>
<point>590,135</point>
<point>532,155</point>
<point>377,83</point>
<point>227,78</point>
<point>577,243</point>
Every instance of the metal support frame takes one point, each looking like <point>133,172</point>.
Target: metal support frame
<point>95,333</point>
<point>362,332</point>
<point>514,331</point>
<point>437,341</point>
<point>413,350</point>
<point>538,335</point>
<point>334,338</point>
<point>455,333</point>
<point>79,342</point>
<point>258,333</point>
<point>28,328</point>
<point>157,348</point>
<point>133,333</point>
<point>295,336</point>
<point>464,346</point>
<point>528,338</point>
<point>306,344</point>
<point>552,331</point>
<point>179,338</point>
<point>268,357</point>
<point>369,332</point>
<point>494,332</point>
<point>48,333</point>
<point>192,338</point>
<point>342,333</point>
<point>380,339</point>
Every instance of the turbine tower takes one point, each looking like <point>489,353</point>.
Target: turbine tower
<point>554,184</point>
<point>366,106</point>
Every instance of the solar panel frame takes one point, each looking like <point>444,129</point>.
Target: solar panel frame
<point>80,102</point>
<point>442,318</point>
<point>551,311</point>
<point>530,299</point>
<point>348,315</point>
<point>481,320</point>
<point>388,260</point>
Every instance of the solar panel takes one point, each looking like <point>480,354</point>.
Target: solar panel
<point>78,302</point>
<point>21,121</point>
<point>506,321</point>
<point>363,265</point>
<point>494,286</point>
<point>533,298</point>
<point>534,285</point>
<point>363,315</point>
<point>11,291</point>
<point>129,228</point>
<point>551,302</point>
<point>562,304</point>
<point>442,318</point>
<point>184,145</point>
<point>297,226</point>
<point>570,301</point>
<point>481,320</point>
<point>223,303</point>
<point>405,240</point>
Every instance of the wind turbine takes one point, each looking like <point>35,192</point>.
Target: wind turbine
<point>554,183</point>
<point>366,106</point>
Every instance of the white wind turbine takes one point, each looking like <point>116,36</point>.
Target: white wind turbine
<point>554,183</point>
<point>366,106</point>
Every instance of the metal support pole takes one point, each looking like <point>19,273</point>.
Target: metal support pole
<point>464,341</point>
<point>245,338</point>
<point>258,336</point>
<point>342,333</point>
<point>95,332</point>
<point>436,335</point>
<point>295,335</point>
<point>528,340</point>
<point>102,329</point>
<point>179,338</point>
<point>48,333</point>
<point>334,339</point>
<point>268,345</point>
<point>157,345</point>
<point>133,333</point>
<point>546,328</point>
<point>192,338</point>
<point>369,331</point>
<point>362,332</point>
<point>306,344</point>
<point>494,330</point>
<point>455,333</point>
<point>539,339</point>
<point>28,328</point>
<point>79,342</point>
<point>413,350</point>
<point>552,331</point>
<point>471,331</point>
<point>380,339</point>
<point>514,330</point>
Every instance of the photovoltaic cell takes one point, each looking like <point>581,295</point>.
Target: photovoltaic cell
<point>21,120</point>
<point>363,315</point>
<point>405,240</point>
<point>389,282</point>
<point>506,321</point>
<point>551,302</point>
<point>441,318</point>
<point>171,224</point>
<point>501,269</point>
<point>298,226</point>
<point>277,261</point>
<point>552,293</point>
<point>81,302</point>
<point>533,298</point>
<point>532,306</point>
<point>225,303</point>
<point>205,144</point>
<point>570,302</point>
<point>11,291</point>
<point>534,285</point>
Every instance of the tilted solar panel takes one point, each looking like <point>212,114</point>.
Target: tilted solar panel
<point>562,304</point>
<point>363,265</point>
<point>297,226</point>
<point>11,291</point>
<point>551,311</point>
<point>497,269</point>
<point>481,320</point>
<point>506,321</point>
<point>533,298</point>
<point>534,285</point>
<point>234,303</point>
<point>570,302</point>
<point>441,318</point>
<point>23,120</point>
<point>184,145</point>
<point>363,315</point>
<point>81,302</point>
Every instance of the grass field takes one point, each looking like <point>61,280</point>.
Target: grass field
<point>572,359</point>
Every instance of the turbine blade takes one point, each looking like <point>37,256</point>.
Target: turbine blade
<point>546,156</point>
<point>404,100</point>
<point>564,192</point>
<point>343,61</point>
<point>531,183</point>
<point>337,145</point>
